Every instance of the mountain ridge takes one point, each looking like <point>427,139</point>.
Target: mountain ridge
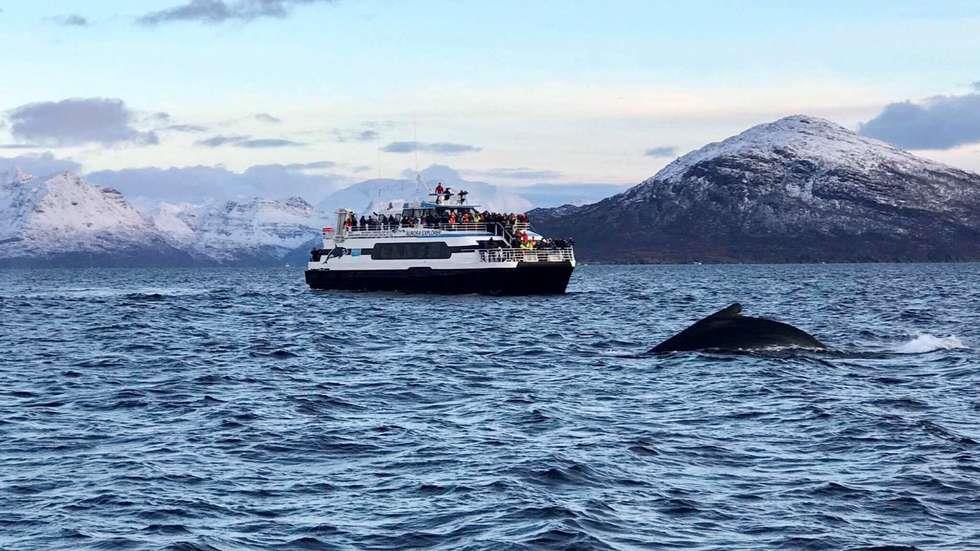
<point>65,221</point>
<point>799,189</point>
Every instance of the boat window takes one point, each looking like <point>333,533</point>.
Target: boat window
<point>405,251</point>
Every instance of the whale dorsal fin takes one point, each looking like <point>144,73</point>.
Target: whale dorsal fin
<point>731,311</point>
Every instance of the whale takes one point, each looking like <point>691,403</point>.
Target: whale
<point>728,330</point>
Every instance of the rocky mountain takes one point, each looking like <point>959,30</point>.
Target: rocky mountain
<point>257,231</point>
<point>64,221</point>
<point>800,189</point>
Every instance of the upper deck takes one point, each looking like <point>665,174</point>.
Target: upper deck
<point>377,231</point>
<point>429,219</point>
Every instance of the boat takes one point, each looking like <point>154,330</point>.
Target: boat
<point>440,246</point>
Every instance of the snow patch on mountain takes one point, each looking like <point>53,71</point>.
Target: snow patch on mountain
<point>234,231</point>
<point>804,137</point>
<point>64,213</point>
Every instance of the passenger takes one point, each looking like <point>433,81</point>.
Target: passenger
<point>466,218</point>
<point>363,222</point>
<point>447,194</point>
<point>462,196</point>
<point>452,218</point>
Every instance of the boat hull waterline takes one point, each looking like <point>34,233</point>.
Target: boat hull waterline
<point>527,278</point>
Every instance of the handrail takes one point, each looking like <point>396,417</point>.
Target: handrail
<point>527,255</point>
<point>387,230</point>
<point>469,226</point>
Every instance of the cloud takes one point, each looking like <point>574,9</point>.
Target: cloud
<point>77,121</point>
<point>186,128</point>
<point>19,146</point>
<point>941,122</point>
<point>268,142</point>
<point>220,11</point>
<point>357,135</point>
<point>309,166</point>
<point>522,173</point>
<point>218,141</point>
<point>439,147</point>
<point>40,165</point>
<point>247,142</point>
<point>265,117</point>
<point>662,151</point>
<point>976,86</point>
<point>196,184</point>
<point>70,20</point>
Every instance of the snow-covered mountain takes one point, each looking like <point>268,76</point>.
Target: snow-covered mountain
<point>797,189</point>
<point>63,220</point>
<point>257,231</point>
<point>374,195</point>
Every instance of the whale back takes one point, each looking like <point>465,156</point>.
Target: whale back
<point>727,329</point>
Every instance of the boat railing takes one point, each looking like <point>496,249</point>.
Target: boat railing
<point>384,230</point>
<point>527,255</point>
<point>469,226</point>
<point>371,231</point>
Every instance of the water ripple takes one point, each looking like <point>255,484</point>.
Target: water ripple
<point>236,409</point>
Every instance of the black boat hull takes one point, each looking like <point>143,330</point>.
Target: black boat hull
<point>528,278</point>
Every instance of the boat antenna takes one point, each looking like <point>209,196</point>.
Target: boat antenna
<point>419,190</point>
<point>415,140</point>
<point>377,149</point>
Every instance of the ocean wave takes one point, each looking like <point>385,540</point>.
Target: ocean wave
<point>924,342</point>
<point>250,412</point>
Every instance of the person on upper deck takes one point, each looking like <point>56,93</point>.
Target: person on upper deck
<point>363,222</point>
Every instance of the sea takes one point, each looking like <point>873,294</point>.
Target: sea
<point>238,409</point>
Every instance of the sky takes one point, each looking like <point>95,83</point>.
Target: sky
<point>509,92</point>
